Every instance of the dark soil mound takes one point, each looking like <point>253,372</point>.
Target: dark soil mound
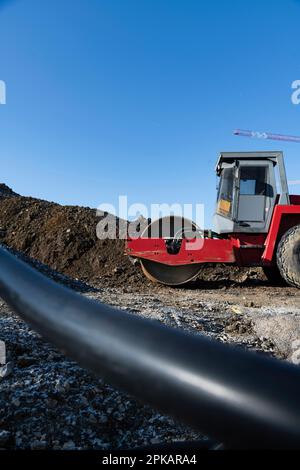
<point>5,191</point>
<point>62,237</point>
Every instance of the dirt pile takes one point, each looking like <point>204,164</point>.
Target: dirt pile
<point>5,191</point>
<point>64,238</point>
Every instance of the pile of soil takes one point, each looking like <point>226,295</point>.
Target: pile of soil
<point>5,191</point>
<point>64,238</point>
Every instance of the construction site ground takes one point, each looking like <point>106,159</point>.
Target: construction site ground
<point>48,401</point>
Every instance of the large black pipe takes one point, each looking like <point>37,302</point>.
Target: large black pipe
<point>238,398</point>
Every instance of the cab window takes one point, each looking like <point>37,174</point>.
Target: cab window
<point>225,193</point>
<point>253,181</point>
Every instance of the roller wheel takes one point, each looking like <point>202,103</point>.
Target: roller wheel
<point>288,256</point>
<point>173,229</point>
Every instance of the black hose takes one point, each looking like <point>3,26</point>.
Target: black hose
<point>236,397</point>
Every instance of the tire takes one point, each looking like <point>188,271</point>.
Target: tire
<point>273,275</point>
<point>288,256</point>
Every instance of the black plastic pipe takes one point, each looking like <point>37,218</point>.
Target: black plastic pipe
<point>239,398</point>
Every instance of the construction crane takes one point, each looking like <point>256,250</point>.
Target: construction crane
<point>267,136</point>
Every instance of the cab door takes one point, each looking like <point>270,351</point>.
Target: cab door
<point>256,196</point>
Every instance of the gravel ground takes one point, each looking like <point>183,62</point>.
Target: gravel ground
<point>48,402</point>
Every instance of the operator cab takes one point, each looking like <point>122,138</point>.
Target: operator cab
<point>247,191</point>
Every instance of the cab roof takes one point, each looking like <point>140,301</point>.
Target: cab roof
<point>231,157</point>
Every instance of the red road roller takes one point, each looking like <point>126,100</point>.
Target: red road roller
<point>256,223</point>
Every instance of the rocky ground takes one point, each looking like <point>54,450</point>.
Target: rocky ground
<point>46,400</point>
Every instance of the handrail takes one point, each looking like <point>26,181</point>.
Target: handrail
<point>239,398</point>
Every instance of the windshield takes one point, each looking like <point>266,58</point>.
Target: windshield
<point>225,192</point>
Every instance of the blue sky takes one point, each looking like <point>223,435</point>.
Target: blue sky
<point>138,97</point>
